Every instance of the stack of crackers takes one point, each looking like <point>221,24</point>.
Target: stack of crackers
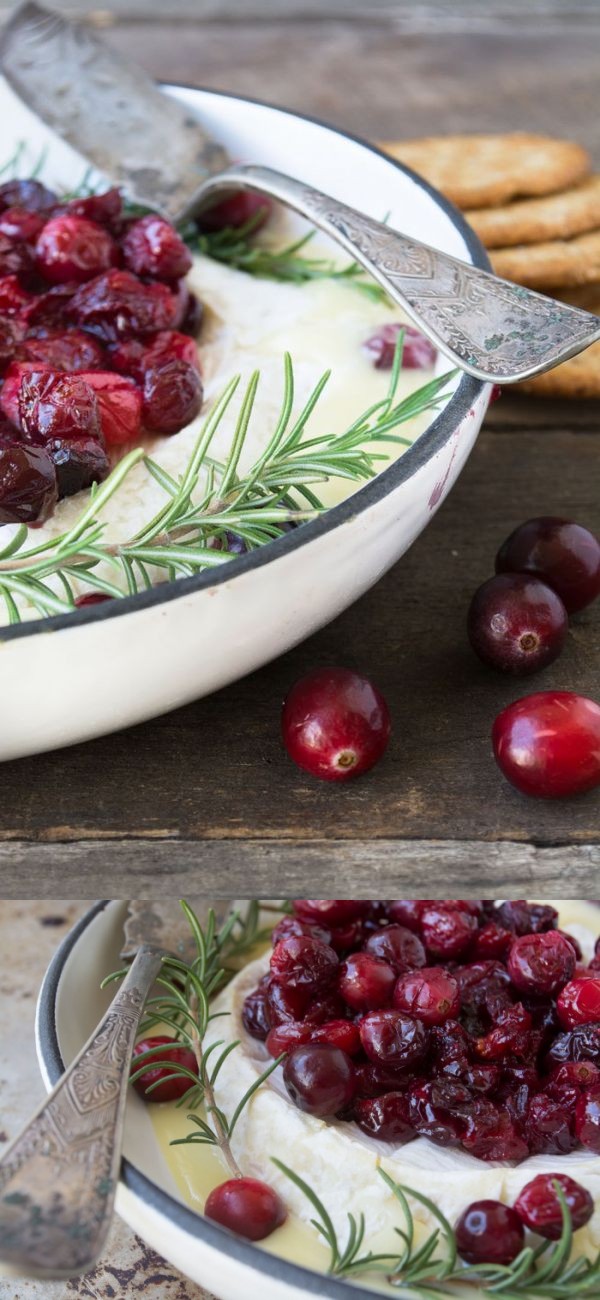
<point>535,204</point>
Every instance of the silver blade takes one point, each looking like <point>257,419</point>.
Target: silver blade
<point>162,923</point>
<point>109,110</point>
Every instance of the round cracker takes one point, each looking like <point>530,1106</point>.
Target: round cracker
<point>560,263</point>
<point>577,378</point>
<point>479,171</point>
<point>533,221</point>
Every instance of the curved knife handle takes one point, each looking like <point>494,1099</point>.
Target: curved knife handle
<point>58,1178</point>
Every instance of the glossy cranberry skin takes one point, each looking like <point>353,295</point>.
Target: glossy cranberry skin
<point>152,247</point>
<point>247,1207</point>
<point>337,1033</point>
<point>28,194</point>
<point>10,335</point>
<point>57,406</point>
<point>285,1003</point>
<point>571,1079</point>
<point>329,911</point>
<point>28,491</point>
<point>14,299</point>
<point>399,947</point>
<point>20,225</point>
<point>548,744</point>
<point>489,1232</point>
<point>446,931</point>
<point>431,995</point>
<point>70,248</point>
<point>393,1039</point>
<point>576,946</point>
<point>418,353</point>
<point>292,925</point>
<point>549,1127</point>
<point>561,553</point>
<point>171,1088</point>
<point>119,406</point>
<point>319,1079</point>
<point>11,388</point>
<point>116,305</point>
<point>335,724</point>
<point>374,1080</point>
<point>491,1133</point>
<point>104,208</point>
<point>521,917</point>
<point>255,1015</point>
<point>385,1117</point>
<point>539,1208</point>
<point>366,982</point>
<point>91,598</point>
<point>541,963</point>
<point>236,210</point>
<point>134,356</point>
<point>172,396</point>
<point>302,962</point>
<point>78,462</point>
<point>408,911</point>
<point>579,1003</point>
<point>510,1037</point>
<point>517,624</point>
<point>587,1120</point>
<point>491,941</point>
<point>579,1044</point>
<point>70,351</point>
<point>437,1110</point>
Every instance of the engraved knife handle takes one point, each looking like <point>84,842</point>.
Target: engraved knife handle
<point>58,1178</point>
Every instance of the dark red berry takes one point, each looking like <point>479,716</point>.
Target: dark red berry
<point>366,982</point>
<point>541,963</point>
<point>571,1079</point>
<point>492,1134</point>
<point>335,724</point>
<point>49,312</point>
<point>134,356</point>
<point>79,462</point>
<point>28,491</point>
<point>57,406</point>
<point>549,1127</point>
<point>579,1003</point>
<point>398,946</point>
<point>236,210</point>
<point>418,352</point>
<point>489,1232</point>
<point>517,623</point>
<point>117,304</point>
<point>119,406</point>
<point>14,299</point>
<point>319,1078</point>
<point>385,1117</point>
<point>548,744</point>
<point>285,1003</point>
<point>65,350</point>
<point>431,995</point>
<point>255,1015</point>
<point>539,1208</point>
<point>20,225</point>
<point>15,258</point>
<point>190,318</point>
<point>447,931</point>
<point>103,208</point>
<point>91,598</point>
<point>161,1069</point>
<point>558,551</point>
<point>28,194</point>
<point>302,962</point>
<point>491,941</point>
<point>9,393</point>
<point>437,1110</point>
<point>391,1038</point>
<point>510,1037</point>
<point>408,911</point>
<point>289,925</point>
<point>10,335</point>
<point>522,917</point>
<point>70,248</point>
<point>247,1207</point>
<point>329,911</point>
<point>152,247</point>
<point>587,1120</point>
<point>579,1044</point>
<point>172,396</point>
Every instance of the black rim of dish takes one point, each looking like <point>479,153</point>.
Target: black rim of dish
<point>429,442</point>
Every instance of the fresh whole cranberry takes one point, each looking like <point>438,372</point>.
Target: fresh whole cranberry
<point>329,911</point>
<point>579,1003</point>
<point>431,995</point>
<point>521,917</point>
<point>255,1015</point>
<point>335,724</point>
<point>57,406</point>
<point>385,1117</point>
<point>302,962</point>
<point>418,352</point>
<point>548,744</point>
<point>28,491</point>
<point>247,1207</point>
<point>517,623</point>
<point>579,1044</point>
<point>541,963</point>
<point>119,406</point>
<point>69,350</point>
<point>549,1127</point>
<point>238,209</point>
<point>391,1038</point>
<point>152,247</point>
<point>489,1232</point>
<point>78,462</point>
<point>447,931</point>
<point>398,946</point>
<point>134,357</point>
<point>70,248</point>
<point>366,982</point>
<point>558,551</point>
<point>116,304</point>
<point>20,225</point>
<point>172,396</point>
<point>28,194</point>
<point>319,1079</point>
<point>161,1069</point>
<point>587,1119</point>
<point>539,1208</point>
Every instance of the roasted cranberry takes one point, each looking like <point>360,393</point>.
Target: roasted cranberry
<point>485,991</point>
<point>161,1069</point>
<point>481,1078</point>
<point>287,1036</point>
<point>571,1079</point>
<point>71,248</point>
<point>437,1110</point>
<point>255,1015</point>
<point>57,406</point>
<point>237,209</point>
<point>247,1207</point>
<point>447,932</point>
<point>153,248</point>
<point>489,1232</point>
<point>10,335</point>
<point>78,462</point>
<point>490,1133</point>
<point>302,962</point>
<point>541,963</point>
<point>418,352</point>
<point>518,1084</point>
<point>172,396</point>
<point>338,1033</point>
<point>579,1044</point>
<point>72,350</point>
<point>451,1046</point>
<point>539,1208</point>
<point>329,911</point>
<point>587,1119</point>
<point>20,225</point>
<point>491,941</point>
<point>431,995</point>
<point>9,393</point>
<point>15,259</point>
<point>117,304</point>
<point>526,918</point>
<point>517,623</point>
<point>548,744</point>
<point>366,982</point>
<point>48,312</point>
<point>558,551</point>
<point>335,724</point>
<point>134,356</point>
<point>345,938</point>
<point>91,598</point>
<point>393,1039</point>
<point>385,1117</point>
<point>579,1003</point>
<point>398,946</point>
<point>374,1080</point>
<point>576,946</point>
<point>103,208</point>
<point>549,1126</point>
<point>408,911</point>
<point>189,321</point>
<point>510,1037</point>
<point>28,194</point>
<point>289,925</point>
<point>28,491</point>
<point>14,299</point>
<point>285,1003</point>
<point>319,1078</point>
<point>119,406</point>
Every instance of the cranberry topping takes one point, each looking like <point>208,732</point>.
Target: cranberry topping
<point>20,225</point>
<point>71,248</point>
<point>418,352</point>
<point>431,995</point>
<point>408,911</point>
<point>72,350</point>
<point>526,918</point>
<point>78,462</point>
<point>28,194</point>
<point>447,931</point>
<point>398,946</point>
<point>541,963</point>
<point>489,1232</point>
<point>366,982</point>
<point>14,299</point>
<point>116,304</point>
<point>236,210</point>
<point>579,1003</point>
<point>172,396</point>
<point>134,357</point>
<point>255,1015</point>
<point>28,489</point>
<point>292,925</point>
<point>152,247</point>
<point>391,1038</point>
<point>57,406</point>
<point>169,1086</point>
<point>385,1117</point>
<point>579,1044</point>
<point>319,1078</point>
<point>329,911</point>
<point>587,1119</point>
<point>247,1207</point>
<point>302,962</point>
<point>549,1126</point>
<point>119,406</point>
<point>540,1210</point>
<point>103,208</point>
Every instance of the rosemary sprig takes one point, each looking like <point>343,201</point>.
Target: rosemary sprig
<point>209,500</point>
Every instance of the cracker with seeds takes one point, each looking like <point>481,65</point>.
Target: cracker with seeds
<point>577,378</point>
<point>559,263</point>
<point>534,221</point>
<point>479,171</point>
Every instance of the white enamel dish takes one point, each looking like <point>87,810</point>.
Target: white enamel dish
<point>131,659</point>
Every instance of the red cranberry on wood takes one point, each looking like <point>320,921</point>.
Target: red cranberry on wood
<point>548,744</point>
<point>540,1210</point>
<point>335,724</point>
<point>247,1207</point>
<point>161,1069</point>
<point>558,551</point>
<point>517,624</point>
<point>489,1232</point>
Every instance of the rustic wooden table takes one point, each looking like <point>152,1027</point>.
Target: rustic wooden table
<point>207,791</point>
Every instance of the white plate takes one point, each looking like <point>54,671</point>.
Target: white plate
<point>104,667</point>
